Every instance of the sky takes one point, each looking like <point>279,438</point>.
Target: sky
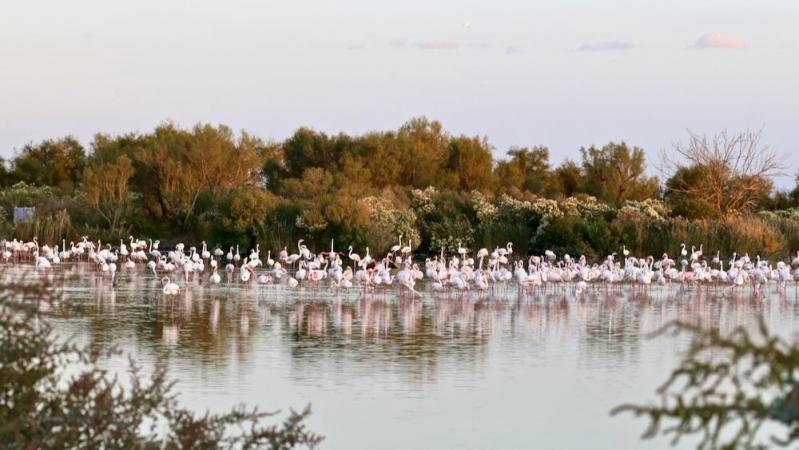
<point>563,74</point>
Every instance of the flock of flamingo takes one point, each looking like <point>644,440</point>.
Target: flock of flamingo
<point>459,272</point>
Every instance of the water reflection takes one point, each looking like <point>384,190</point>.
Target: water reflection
<point>209,323</point>
<point>251,344</point>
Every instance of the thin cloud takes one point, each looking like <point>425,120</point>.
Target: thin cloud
<point>606,46</point>
<point>437,45</point>
<point>512,50</point>
<point>718,40</point>
<point>354,47</point>
<point>478,45</point>
<point>398,42</point>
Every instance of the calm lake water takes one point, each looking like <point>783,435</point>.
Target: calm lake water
<point>479,372</point>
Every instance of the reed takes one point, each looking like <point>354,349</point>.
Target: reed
<point>48,229</point>
<point>744,234</point>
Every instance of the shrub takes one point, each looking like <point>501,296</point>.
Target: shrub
<point>574,235</point>
<point>386,223</point>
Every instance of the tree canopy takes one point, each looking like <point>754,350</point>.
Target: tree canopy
<point>175,181</point>
<point>617,173</point>
<point>53,162</point>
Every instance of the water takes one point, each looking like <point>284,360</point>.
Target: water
<point>503,371</point>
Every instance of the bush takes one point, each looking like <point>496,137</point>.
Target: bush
<point>244,216</point>
<point>576,236</point>
<point>387,223</point>
<point>445,219</point>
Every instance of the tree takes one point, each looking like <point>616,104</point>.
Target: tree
<point>160,174</point>
<point>730,171</point>
<point>222,163</point>
<point>568,178</point>
<point>315,182</point>
<point>726,389</point>
<point>471,162</point>
<point>54,162</point>
<point>246,212</point>
<point>175,167</point>
<point>106,189</point>
<point>794,194</point>
<point>106,148</point>
<point>4,175</point>
<point>423,151</point>
<point>616,172</point>
<point>380,154</point>
<point>274,168</point>
<point>682,204</point>
<point>307,148</point>
<point>527,169</point>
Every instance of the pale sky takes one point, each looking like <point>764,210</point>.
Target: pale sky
<point>564,74</point>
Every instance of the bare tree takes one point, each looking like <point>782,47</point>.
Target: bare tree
<point>728,172</point>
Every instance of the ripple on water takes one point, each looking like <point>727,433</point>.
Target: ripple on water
<point>384,372</point>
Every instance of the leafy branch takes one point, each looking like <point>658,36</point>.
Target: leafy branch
<point>726,388</point>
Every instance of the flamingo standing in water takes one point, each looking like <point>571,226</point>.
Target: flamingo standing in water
<point>215,278</point>
<point>170,288</point>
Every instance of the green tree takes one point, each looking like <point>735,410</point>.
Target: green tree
<point>106,148</point>
<point>527,169</point>
<point>567,179</point>
<point>307,148</point>
<point>677,196</point>
<point>222,162</point>
<point>380,154</point>
<point>616,172</point>
<point>246,213</point>
<point>779,200</point>
<point>274,167</point>
<point>175,167</point>
<point>315,182</point>
<point>423,152</point>
<point>794,194</point>
<point>53,162</point>
<point>471,162</point>
<point>4,174</point>
<point>160,173</point>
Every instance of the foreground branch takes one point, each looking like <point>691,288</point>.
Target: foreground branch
<point>726,388</point>
<point>41,407</point>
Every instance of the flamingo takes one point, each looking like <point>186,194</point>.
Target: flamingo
<point>395,248</point>
<point>170,288</point>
